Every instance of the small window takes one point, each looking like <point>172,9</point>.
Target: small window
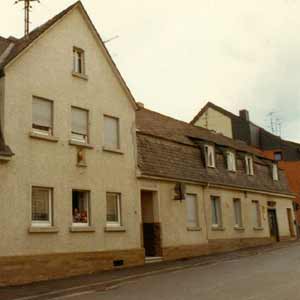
<point>78,61</point>
<point>256,214</point>
<point>210,156</point>
<point>231,163</point>
<point>113,209</point>
<point>278,156</point>
<point>79,125</point>
<point>216,211</point>
<point>111,132</point>
<point>192,210</point>
<point>42,116</point>
<point>237,212</point>
<point>41,208</point>
<point>275,172</point>
<point>80,208</point>
<point>249,165</point>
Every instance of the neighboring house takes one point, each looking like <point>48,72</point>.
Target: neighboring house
<point>286,153</point>
<point>82,167</point>
<point>202,192</point>
<point>69,202</point>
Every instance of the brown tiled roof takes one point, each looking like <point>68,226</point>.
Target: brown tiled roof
<point>166,151</point>
<point>4,43</point>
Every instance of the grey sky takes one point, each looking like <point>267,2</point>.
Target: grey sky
<point>177,55</point>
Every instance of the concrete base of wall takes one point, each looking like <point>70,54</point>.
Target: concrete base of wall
<point>25,269</point>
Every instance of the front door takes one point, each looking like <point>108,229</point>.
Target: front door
<point>273,225</point>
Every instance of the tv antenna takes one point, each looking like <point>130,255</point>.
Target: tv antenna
<point>275,123</point>
<point>27,7</point>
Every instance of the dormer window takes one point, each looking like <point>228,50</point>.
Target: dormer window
<point>249,165</point>
<point>278,155</point>
<point>231,163</point>
<point>78,61</point>
<point>275,172</point>
<point>210,156</point>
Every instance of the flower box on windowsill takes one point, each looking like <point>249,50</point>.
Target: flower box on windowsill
<point>111,228</point>
<point>80,75</point>
<point>43,229</point>
<point>83,228</point>
<point>49,138</point>
<point>79,144</point>
<point>112,150</point>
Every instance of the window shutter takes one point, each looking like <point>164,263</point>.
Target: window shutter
<point>111,132</point>
<point>191,207</point>
<point>42,112</point>
<point>79,121</point>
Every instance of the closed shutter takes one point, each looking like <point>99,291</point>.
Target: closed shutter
<point>111,132</point>
<point>79,121</point>
<point>191,209</point>
<point>42,112</point>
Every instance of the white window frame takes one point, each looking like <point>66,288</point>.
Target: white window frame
<point>85,138</point>
<point>249,165</point>
<point>119,214</point>
<point>258,217</point>
<point>231,161</point>
<point>275,172</point>
<point>217,211</point>
<point>48,223</point>
<point>81,224</point>
<point>48,132</point>
<point>210,150</point>
<point>196,215</point>
<point>76,53</point>
<point>239,211</point>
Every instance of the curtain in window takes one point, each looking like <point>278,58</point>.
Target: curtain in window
<point>112,207</point>
<point>40,204</point>
<point>191,209</point>
<point>42,112</point>
<point>237,212</point>
<point>79,121</point>
<point>111,132</point>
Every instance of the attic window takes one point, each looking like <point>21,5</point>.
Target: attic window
<point>78,61</point>
<point>275,172</point>
<point>249,165</point>
<point>278,155</point>
<point>231,163</point>
<point>210,156</point>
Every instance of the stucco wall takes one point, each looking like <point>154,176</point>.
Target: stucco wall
<point>45,70</point>
<point>214,120</point>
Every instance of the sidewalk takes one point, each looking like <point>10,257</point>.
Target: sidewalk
<point>55,289</point>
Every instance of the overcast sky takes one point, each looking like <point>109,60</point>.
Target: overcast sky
<point>177,55</point>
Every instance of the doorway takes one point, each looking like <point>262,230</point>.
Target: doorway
<point>273,225</point>
<point>151,228</point>
<point>291,222</point>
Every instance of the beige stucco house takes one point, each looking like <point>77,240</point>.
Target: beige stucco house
<point>91,181</point>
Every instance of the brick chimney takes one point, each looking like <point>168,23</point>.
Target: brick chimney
<point>244,114</point>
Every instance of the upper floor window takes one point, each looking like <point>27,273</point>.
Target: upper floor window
<point>275,172</point>
<point>42,116</point>
<point>78,61</point>
<point>111,132</point>
<point>278,155</point>
<point>231,163</point>
<point>79,125</point>
<point>210,156</point>
<point>192,210</point>
<point>41,206</point>
<point>249,165</point>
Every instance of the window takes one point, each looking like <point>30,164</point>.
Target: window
<point>275,172</point>
<point>113,209</point>
<point>256,214</point>
<point>278,156</point>
<point>111,132</point>
<point>249,165</point>
<point>216,211</point>
<point>231,163</point>
<point>79,125</point>
<point>42,116</point>
<point>80,207</point>
<point>78,61</point>
<point>237,206</point>
<point>192,210</point>
<point>210,155</point>
<point>41,207</point>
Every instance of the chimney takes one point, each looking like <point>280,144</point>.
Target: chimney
<point>140,105</point>
<point>244,114</point>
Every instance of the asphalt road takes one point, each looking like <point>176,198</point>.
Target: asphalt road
<point>273,275</point>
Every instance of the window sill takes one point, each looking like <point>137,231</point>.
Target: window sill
<point>239,228</point>
<point>4,158</point>
<point>79,75</point>
<point>83,145</point>
<point>117,151</point>
<point>217,228</point>
<point>81,165</point>
<point>41,229</point>
<point>49,138</point>
<point>258,228</point>
<point>114,229</point>
<point>193,228</point>
<point>82,229</point>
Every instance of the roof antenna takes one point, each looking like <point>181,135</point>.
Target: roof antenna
<point>27,7</point>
